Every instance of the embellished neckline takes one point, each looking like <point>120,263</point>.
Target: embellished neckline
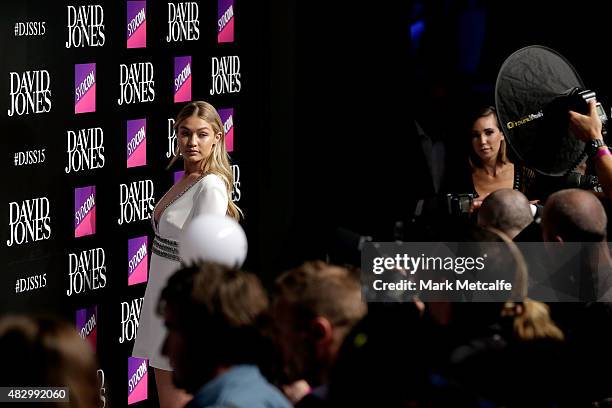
<point>179,195</point>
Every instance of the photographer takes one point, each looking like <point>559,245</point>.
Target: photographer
<point>588,129</point>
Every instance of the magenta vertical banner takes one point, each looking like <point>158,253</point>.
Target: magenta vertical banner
<point>136,24</point>
<point>84,211</point>
<point>178,175</point>
<point>182,79</point>
<point>138,260</point>
<point>84,88</point>
<point>87,325</point>
<point>225,21</point>
<point>227,118</point>
<point>136,142</point>
<point>137,380</point>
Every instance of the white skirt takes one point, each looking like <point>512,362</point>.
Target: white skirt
<point>151,330</point>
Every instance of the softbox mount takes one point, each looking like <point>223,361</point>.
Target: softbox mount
<point>535,89</point>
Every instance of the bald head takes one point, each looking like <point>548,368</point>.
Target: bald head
<point>506,210</point>
<point>574,216</point>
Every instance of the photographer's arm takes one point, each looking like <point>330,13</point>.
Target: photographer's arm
<point>587,128</point>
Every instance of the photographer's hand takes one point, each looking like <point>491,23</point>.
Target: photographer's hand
<point>586,127</point>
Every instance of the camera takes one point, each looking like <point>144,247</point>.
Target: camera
<point>459,204</point>
<point>579,101</point>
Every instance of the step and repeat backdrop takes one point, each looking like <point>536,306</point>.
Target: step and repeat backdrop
<point>88,93</point>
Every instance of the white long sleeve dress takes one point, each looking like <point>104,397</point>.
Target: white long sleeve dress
<point>207,195</point>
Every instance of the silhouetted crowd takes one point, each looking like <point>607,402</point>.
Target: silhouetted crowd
<point>311,341</point>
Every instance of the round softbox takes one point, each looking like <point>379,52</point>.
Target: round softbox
<point>531,94</point>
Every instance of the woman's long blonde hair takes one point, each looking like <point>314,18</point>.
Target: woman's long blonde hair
<point>218,161</point>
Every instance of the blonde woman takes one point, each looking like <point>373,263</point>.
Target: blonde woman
<point>205,188</point>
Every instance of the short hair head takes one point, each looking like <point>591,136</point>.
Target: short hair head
<point>315,306</point>
<point>574,215</point>
<point>217,309</point>
<point>506,210</point>
<point>45,351</point>
<point>320,289</point>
